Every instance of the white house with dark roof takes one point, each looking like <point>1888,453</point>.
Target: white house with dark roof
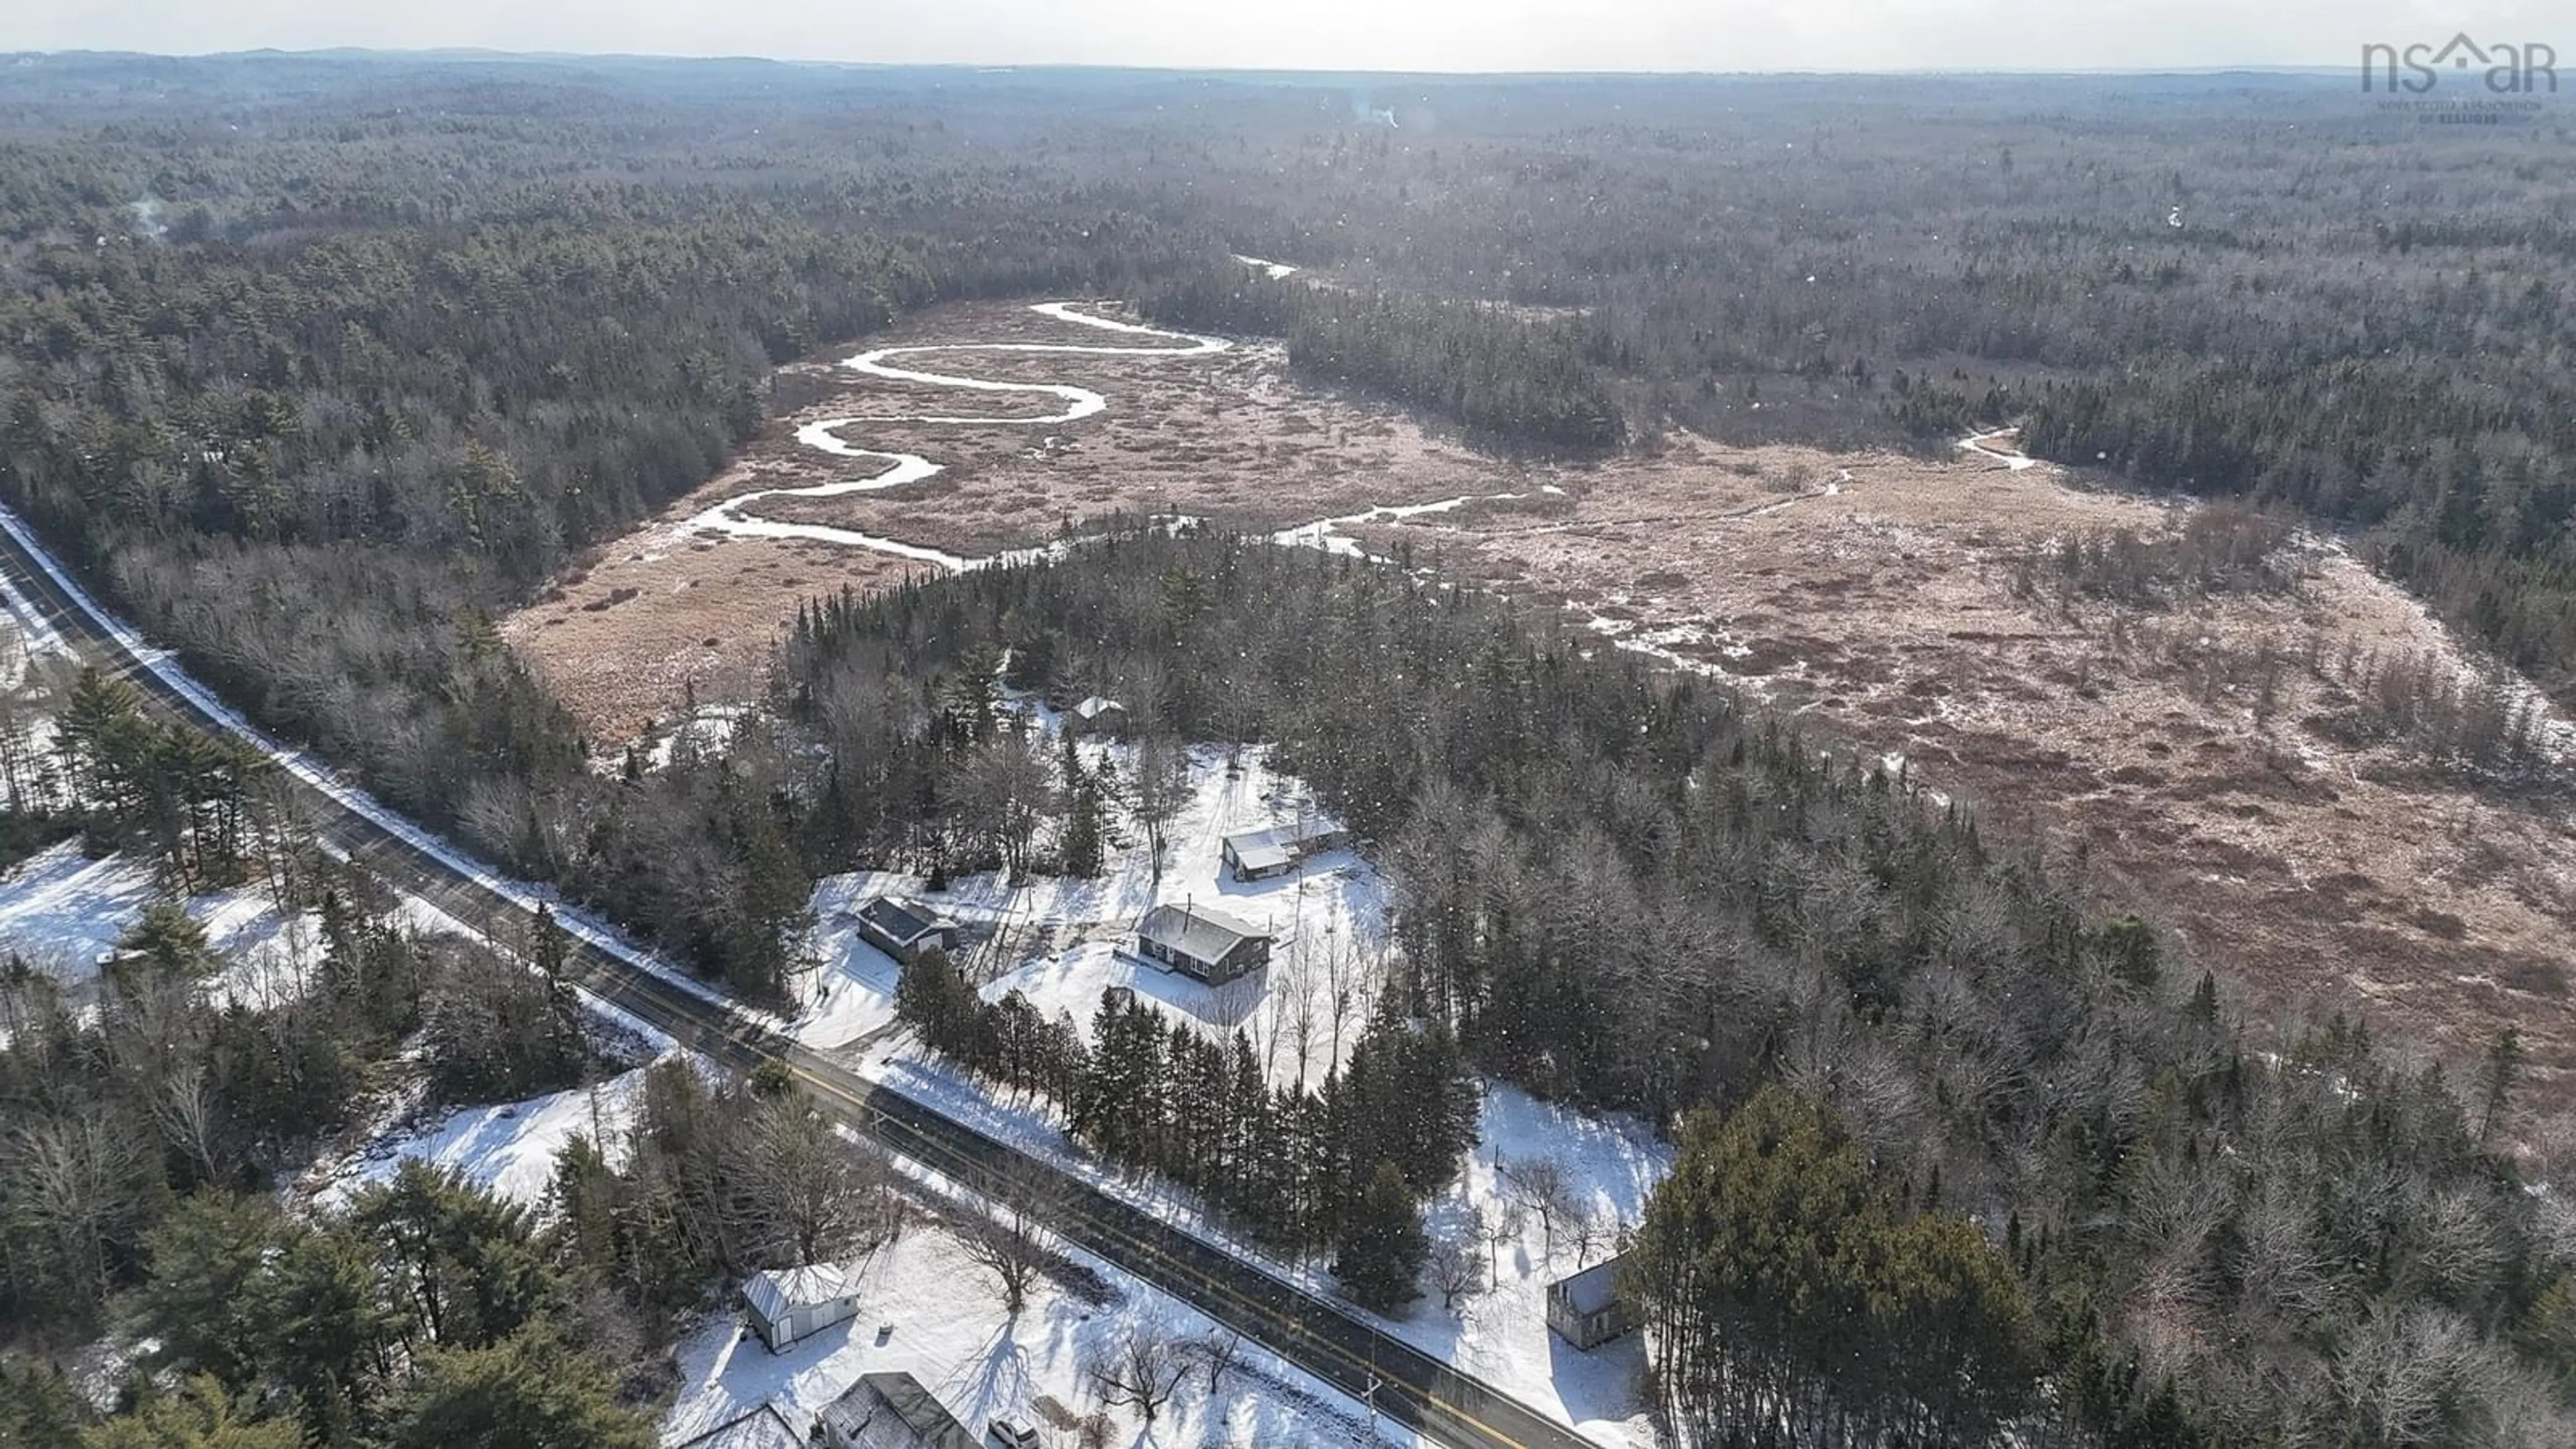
<point>783,1305</point>
<point>1207,945</point>
<point>900,927</point>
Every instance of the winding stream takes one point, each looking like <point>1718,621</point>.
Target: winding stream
<point>824,435</point>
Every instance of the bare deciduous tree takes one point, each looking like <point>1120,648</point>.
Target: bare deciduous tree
<point>1157,793</point>
<point>1010,1238</point>
<point>1218,1351</point>
<point>1142,1370</point>
<point>183,1107</point>
<point>1585,1227</point>
<point>1455,1273</point>
<point>1541,1185</point>
<point>800,1190</point>
<point>1498,1225</point>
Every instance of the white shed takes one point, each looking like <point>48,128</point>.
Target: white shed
<point>786,1304</point>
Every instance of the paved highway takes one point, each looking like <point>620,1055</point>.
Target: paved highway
<point>1306,1328</point>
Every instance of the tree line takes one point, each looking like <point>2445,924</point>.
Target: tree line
<point>1622,889</point>
<point>1293,1164</point>
<point>182,1082</point>
<point>1505,378</point>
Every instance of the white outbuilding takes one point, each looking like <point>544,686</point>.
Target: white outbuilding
<point>783,1305</point>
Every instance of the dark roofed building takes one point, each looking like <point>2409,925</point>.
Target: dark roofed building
<point>1585,1309</point>
<point>1197,942</point>
<point>898,927</point>
<point>891,1411</point>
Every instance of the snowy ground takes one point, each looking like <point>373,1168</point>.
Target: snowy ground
<point>1059,942</point>
<point>1499,1333</point>
<point>928,1311</point>
<point>63,912</point>
<point>509,1147</point>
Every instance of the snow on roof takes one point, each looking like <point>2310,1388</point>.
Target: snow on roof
<point>1197,932</point>
<point>1095,706</point>
<point>762,1428</point>
<point>901,919</point>
<point>894,1411</point>
<point>1259,849</point>
<point>1594,1288</point>
<point>1288,838</point>
<point>773,1293</point>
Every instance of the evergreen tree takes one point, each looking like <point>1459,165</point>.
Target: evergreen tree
<point>521,1393</point>
<point>550,950</point>
<point>460,1265</point>
<point>1085,815</point>
<point>1379,1256</point>
<point>207,1257</point>
<point>39,1407</point>
<point>199,1415</point>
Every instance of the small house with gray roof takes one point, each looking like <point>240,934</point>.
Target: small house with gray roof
<point>1260,854</point>
<point>1098,716</point>
<point>1206,945</point>
<point>891,1411</point>
<point>900,928</point>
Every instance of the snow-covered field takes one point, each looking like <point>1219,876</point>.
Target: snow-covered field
<point>1059,941</point>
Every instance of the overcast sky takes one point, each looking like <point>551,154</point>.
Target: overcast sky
<point>1722,35</point>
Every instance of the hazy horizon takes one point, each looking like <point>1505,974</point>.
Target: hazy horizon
<point>1513,36</point>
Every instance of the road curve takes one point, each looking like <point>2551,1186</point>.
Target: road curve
<point>1306,1328</point>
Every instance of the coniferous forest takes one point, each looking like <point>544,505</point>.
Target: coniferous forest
<point>316,366</point>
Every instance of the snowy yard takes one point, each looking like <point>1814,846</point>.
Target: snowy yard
<point>508,1147</point>
<point>1061,942</point>
<point>63,912</point>
<point>925,1309</point>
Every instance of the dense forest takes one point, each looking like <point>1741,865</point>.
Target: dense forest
<point>2033,1143</point>
<point>2236,286</point>
<point>317,366</point>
